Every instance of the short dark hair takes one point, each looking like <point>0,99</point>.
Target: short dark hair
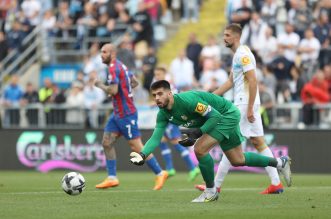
<point>160,84</point>
<point>234,27</point>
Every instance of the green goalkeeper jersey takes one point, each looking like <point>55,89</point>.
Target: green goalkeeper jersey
<point>195,109</point>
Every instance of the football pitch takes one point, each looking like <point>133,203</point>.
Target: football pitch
<point>27,194</point>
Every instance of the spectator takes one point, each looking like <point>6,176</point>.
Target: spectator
<point>46,91</point>
<point>289,41</point>
<point>281,67</point>
<point>309,49</point>
<point>30,97</point>
<point>176,10</point>
<point>152,8</point>
<point>87,23</point>
<point>314,92</point>
<point>102,29</point>
<point>212,76</point>
<point>268,101</point>
<point>268,47</point>
<point>191,10</point>
<point>300,16</point>
<point>211,50</point>
<point>75,100</point>
<point>93,62</point>
<point>11,98</point>
<point>254,32</point>
<point>182,72</point>
<point>119,18</point>
<point>149,63</point>
<point>327,75</point>
<point>296,83</point>
<point>15,37</point>
<point>4,7</point>
<point>11,15</point>
<point>193,51</point>
<point>64,21</point>
<point>269,13</point>
<point>142,26</point>
<point>241,12</point>
<point>269,79</point>
<point>125,53</point>
<point>93,97</point>
<point>322,32</point>
<point>32,10</point>
<point>3,47</point>
<point>48,22</point>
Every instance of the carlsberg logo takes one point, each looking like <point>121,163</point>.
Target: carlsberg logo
<point>54,155</point>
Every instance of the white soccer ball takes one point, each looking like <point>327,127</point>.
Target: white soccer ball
<point>73,183</point>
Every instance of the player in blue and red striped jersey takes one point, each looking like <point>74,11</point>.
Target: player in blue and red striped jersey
<point>123,120</point>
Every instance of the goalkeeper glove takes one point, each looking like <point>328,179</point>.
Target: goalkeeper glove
<point>137,158</point>
<point>189,137</point>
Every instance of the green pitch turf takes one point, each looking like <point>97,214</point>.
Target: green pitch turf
<point>35,195</point>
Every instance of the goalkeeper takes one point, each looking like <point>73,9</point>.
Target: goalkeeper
<point>217,121</point>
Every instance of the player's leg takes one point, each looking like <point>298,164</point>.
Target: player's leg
<point>166,151</point>
<point>167,156</point>
<point>254,131</point>
<point>111,133</point>
<point>206,165</point>
<point>276,186</point>
<point>194,171</point>
<point>238,158</point>
<point>231,146</point>
<point>108,141</point>
<point>129,129</point>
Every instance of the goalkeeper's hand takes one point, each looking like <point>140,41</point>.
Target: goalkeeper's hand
<point>189,137</point>
<point>137,158</point>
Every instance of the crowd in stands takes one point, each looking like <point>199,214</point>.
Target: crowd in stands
<point>290,40</point>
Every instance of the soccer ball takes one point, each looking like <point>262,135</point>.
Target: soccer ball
<point>73,183</point>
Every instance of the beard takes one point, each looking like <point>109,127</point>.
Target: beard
<point>228,45</point>
<point>164,105</point>
<point>105,60</point>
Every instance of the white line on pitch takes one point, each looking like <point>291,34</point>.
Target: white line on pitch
<point>149,190</point>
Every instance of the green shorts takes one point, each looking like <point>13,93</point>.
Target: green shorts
<point>227,132</point>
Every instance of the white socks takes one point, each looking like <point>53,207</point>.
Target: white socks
<point>222,171</point>
<point>272,171</point>
<point>225,165</point>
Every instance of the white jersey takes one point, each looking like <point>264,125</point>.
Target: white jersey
<point>243,61</point>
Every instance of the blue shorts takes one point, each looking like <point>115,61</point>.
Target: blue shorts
<point>172,132</point>
<point>126,126</point>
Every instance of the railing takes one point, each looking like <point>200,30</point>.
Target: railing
<point>53,116</point>
<point>18,62</point>
<point>285,116</point>
<point>64,49</point>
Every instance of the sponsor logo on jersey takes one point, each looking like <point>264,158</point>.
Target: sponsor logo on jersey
<point>184,117</point>
<point>245,60</point>
<point>202,109</point>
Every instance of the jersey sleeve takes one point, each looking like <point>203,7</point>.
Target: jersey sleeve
<point>246,62</point>
<point>155,139</point>
<point>202,108</point>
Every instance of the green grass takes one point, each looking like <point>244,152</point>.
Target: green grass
<point>36,195</point>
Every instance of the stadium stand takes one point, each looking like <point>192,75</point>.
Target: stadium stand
<point>290,39</point>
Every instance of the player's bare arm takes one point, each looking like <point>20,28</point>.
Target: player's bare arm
<point>252,88</point>
<point>226,86</point>
<point>108,89</point>
<point>134,82</point>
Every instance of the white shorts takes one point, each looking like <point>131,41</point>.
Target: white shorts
<point>248,129</point>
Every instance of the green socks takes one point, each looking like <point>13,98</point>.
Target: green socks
<point>206,165</point>
<point>257,160</point>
